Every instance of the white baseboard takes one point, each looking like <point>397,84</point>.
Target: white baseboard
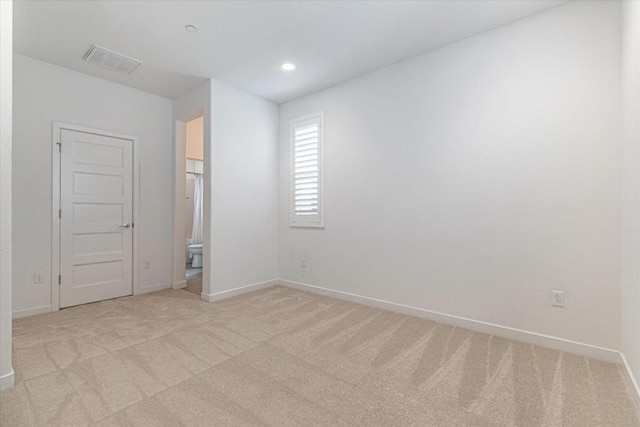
<point>7,380</point>
<point>18,314</point>
<point>237,291</point>
<point>600,353</point>
<point>632,380</point>
<point>154,288</point>
<point>179,285</point>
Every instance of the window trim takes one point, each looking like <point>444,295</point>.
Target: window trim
<point>297,220</point>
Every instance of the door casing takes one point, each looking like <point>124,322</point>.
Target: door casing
<point>55,205</point>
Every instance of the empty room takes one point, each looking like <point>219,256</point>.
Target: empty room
<point>320,213</point>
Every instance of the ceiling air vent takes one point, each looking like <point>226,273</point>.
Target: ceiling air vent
<point>109,59</point>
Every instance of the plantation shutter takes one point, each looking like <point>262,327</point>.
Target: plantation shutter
<point>306,191</point>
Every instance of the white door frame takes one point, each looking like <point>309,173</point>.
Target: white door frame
<point>178,273</point>
<point>55,205</point>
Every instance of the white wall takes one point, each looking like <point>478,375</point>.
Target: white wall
<point>244,189</point>
<point>474,179</point>
<point>631,186</point>
<point>44,93</point>
<point>7,376</point>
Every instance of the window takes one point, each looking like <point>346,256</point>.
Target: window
<point>306,171</point>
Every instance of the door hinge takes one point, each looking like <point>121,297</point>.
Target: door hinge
<point>59,213</point>
<point>59,279</point>
<point>59,147</point>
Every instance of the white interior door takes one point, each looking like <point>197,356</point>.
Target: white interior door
<point>96,200</point>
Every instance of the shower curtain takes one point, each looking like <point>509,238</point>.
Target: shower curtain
<point>196,234</point>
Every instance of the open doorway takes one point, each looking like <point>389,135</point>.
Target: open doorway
<point>191,159</point>
<point>194,204</point>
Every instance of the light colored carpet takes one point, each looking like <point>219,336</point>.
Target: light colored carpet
<point>288,358</point>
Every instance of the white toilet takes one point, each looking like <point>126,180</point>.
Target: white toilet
<point>195,251</point>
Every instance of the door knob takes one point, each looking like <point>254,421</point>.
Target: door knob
<point>126,225</point>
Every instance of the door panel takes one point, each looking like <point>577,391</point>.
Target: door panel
<point>96,190</point>
<point>93,183</point>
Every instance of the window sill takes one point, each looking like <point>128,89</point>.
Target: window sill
<point>298,225</point>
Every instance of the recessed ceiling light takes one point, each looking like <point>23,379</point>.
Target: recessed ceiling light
<point>288,66</point>
<point>191,28</point>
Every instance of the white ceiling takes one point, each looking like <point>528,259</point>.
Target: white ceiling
<point>244,43</point>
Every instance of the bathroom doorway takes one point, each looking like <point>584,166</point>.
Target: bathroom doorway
<point>194,204</point>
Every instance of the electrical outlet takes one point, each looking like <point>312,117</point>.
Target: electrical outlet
<point>38,277</point>
<point>303,262</point>
<point>558,298</point>
<point>147,264</point>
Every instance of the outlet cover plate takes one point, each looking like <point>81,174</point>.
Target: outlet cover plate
<point>557,298</point>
